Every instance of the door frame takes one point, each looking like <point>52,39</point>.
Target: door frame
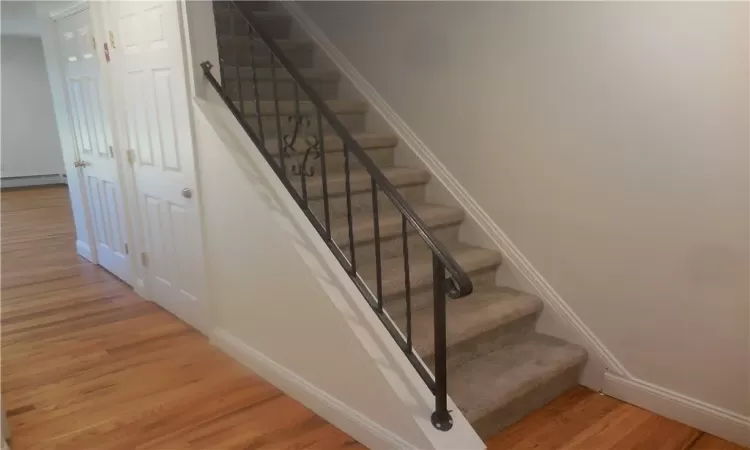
<point>56,74</point>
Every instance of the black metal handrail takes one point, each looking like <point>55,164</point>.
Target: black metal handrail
<point>456,285</point>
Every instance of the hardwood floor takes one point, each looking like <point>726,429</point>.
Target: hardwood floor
<point>583,419</point>
<point>87,364</point>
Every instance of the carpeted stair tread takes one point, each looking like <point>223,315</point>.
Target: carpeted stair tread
<point>471,259</point>
<point>262,14</point>
<point>509,375</point>
<point>284,44</point>
<point>333,143</point>
<point>390,222</point>
<point>485,310</point>
<point>289,107</point>
<point>254,5</point>
<point>265,74</point>
<point>360,180</point>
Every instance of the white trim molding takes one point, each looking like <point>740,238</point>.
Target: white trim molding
<point>33,180</point>
<point>703,416</point>
<point>439,172</point>
<point>84,250</point>
<point>339,414</point>
<point>69,10</point>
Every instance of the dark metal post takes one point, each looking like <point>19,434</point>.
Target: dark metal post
<point>347,181</point>
<point>277,116</point>
<point>407,283</point>
<point>376,230</point>
<point>256,90</point>
<point>441,418</point>
<point>323,173</point>
<point>236,44</point>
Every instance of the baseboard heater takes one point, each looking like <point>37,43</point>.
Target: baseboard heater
<point>33,180</point>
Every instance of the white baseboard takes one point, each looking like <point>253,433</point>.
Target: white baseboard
<point>439,172</point>
<point>32,180</point>
<point>703,416</point>
<point>84,250</point>
<point>334,411</point>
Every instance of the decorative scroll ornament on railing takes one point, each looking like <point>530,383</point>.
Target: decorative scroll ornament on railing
<point>300,167</point>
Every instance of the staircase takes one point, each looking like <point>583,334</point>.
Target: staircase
<point>498,368</point>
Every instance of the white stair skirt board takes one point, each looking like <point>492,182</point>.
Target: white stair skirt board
<point>711,419</point>
<point>33,180</point>
<point>512,255</point>
<point>340,415</point>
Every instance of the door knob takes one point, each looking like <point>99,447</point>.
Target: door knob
<point>187,193</point>
<point>80,163</point>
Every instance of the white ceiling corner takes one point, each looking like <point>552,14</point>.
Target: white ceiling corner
<point>18,18</point>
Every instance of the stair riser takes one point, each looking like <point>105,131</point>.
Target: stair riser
<point>396,307</point>
<point>328,89</point>
<point>518,408</point>
<point>300,56</point>
<point>505,334</point>
<point>362,201</point>
<point>382,157</point>
<point>276,26</point>
<point>352,122</point>
<point>392,246</point>
<point>419,286</point>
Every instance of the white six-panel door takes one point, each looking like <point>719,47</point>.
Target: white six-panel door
<point>149,71</point>
<point>93,142</point>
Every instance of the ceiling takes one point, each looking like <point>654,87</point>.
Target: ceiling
<point>18,18</point>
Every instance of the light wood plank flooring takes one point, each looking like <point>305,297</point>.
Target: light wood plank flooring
<point>87,364</point>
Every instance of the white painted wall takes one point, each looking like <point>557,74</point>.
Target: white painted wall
<point>30,142</point>
<point>609,141</point>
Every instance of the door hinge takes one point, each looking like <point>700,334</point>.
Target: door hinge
<point>144,259</point>
<point>131,156</point>
<point>111,152</point>
<point>127,250</point>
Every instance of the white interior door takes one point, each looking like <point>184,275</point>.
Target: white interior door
<point>94,145</point>
<point>149,68</point>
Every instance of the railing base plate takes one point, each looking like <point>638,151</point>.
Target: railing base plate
<point>442,421</point>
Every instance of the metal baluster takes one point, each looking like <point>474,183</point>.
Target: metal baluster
<point>376,223</point>
<point>298,123</point>
<point>222,75</point>
<point>441,418</point>
<point>277,113</point>
<point>233,33</point>
<point>349,209</point>
<point>255,86</point>
<point>323,174</point>
<point>407,283</point>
